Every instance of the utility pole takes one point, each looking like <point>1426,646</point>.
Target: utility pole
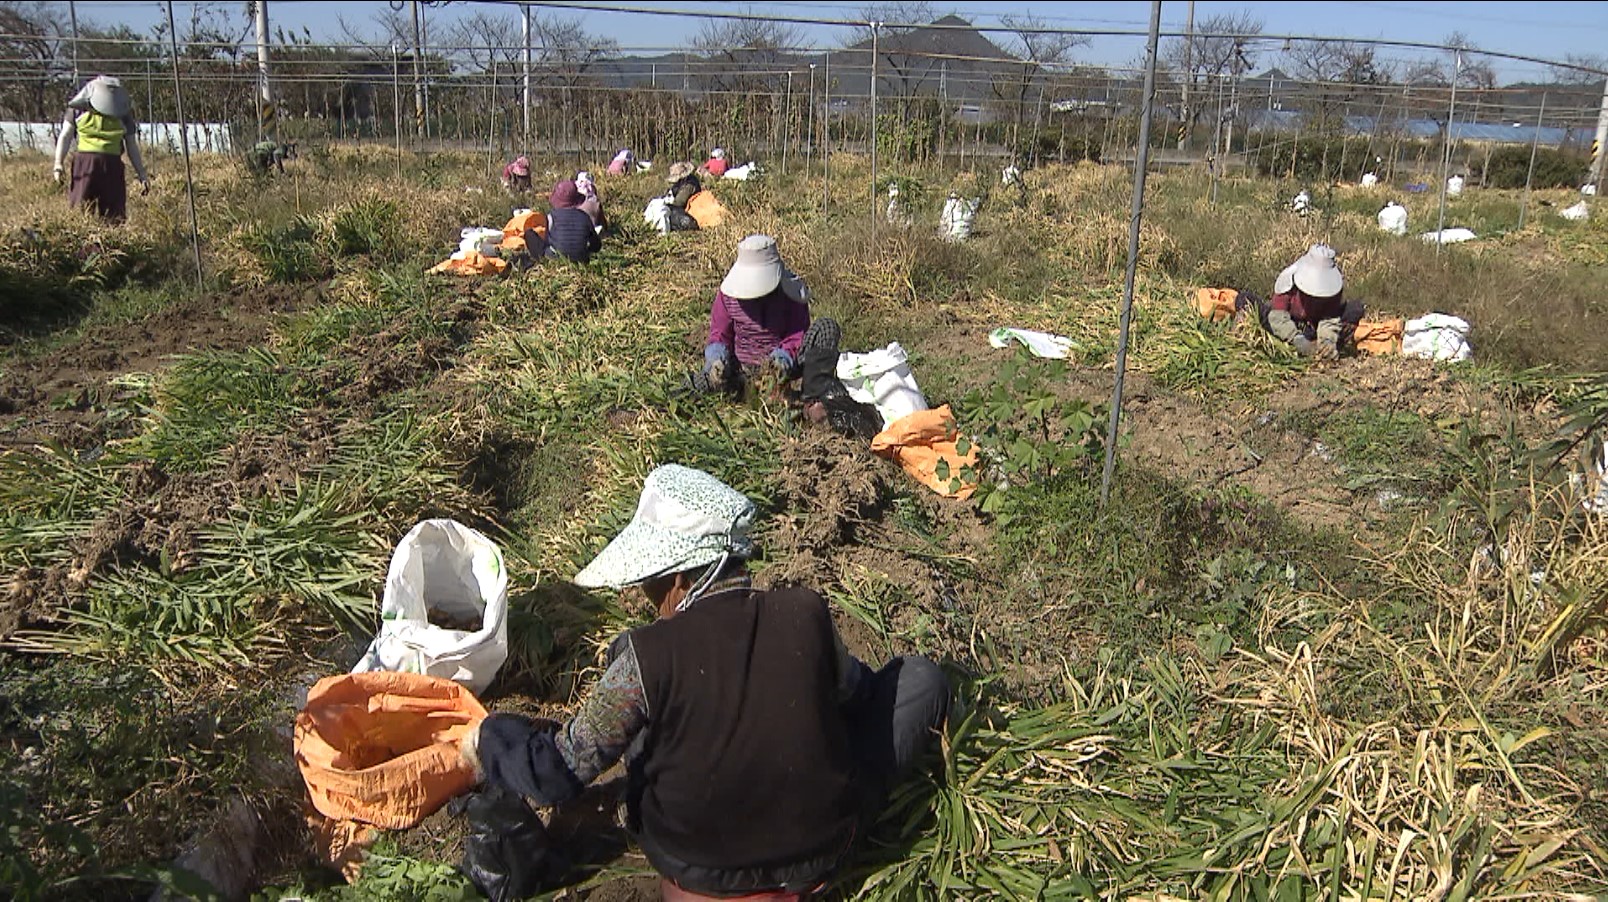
<point>525,32</point>
<point>1446,152</point>
<point>1189,74</point>
<point>265,115</point>
<point>418,78</point>
<point>1597,146</point>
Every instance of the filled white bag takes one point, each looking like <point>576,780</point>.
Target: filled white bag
<point>1301,202</point>
<point>1393,218</point>
<point>479,239</point>
<point>1436,336</point>
<point>443,566</point>
<point>882,378</point>
<point>1369,180</point>
<point>657,214</point>
<point>1454,186</point>
<point>957,217</point>
<point>1577,213</point>
<point>1449,236</point>
<point>742,173</point>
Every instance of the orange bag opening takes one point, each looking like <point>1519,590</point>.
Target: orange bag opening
<point>1379,336</point>
<point>1216,304</point>
<point>921,442</point>
<point>382,747</point>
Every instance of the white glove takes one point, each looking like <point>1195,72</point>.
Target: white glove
<point>56,174</point>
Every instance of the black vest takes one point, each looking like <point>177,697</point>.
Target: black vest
<point>747,763</point>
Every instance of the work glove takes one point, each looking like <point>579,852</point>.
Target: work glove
<point>469,751</point>
<point>1303,346</point>
<point>781,362</point>
<point>1326,350</point>
<point>145,186</point>
<point>56,174</point>
<point>716,356</point>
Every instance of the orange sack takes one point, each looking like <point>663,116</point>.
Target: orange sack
<point>1216,304</point>
<point>707,209</point>
<point>1379,336</point>
<point>924,444</point>
<point>382,747</point>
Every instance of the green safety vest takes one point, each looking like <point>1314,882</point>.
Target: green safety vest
<point>98,133</point>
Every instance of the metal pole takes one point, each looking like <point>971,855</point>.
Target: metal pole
<point>787,123</point>
<point>525,135</point>
<point>1535,143</point>
<point>424,63</point>
<point>1189,75</point>
<point>1141,163</point>
<point>826,138</point>
<point>1446,152</point>
<point>491,135</point>
<point>184,144</point>
<point>1598,146</point>
<point>72,14</point>
<point>809,146</point>
<point>396,106</point>
<point>418,78</point>
<point>873,207</point>
<point>265,115</point>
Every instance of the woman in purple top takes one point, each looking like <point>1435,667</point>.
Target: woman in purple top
<point>758,319</point>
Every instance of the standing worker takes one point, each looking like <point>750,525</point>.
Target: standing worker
<point>100,119</point>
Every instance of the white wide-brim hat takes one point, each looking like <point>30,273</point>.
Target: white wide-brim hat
<point>105,95</point>
<point>758,270</point>
<point>1316,274</point>
<point>684,520</point>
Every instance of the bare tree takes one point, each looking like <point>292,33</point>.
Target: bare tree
<point>743,54</point>
<point>483,38</point>
<point>899,23</point>
<point>1566,76</point>
<point>568,54</point>
<point>32,49</point>
<point>1042,54</point>
<point>1217,49</point>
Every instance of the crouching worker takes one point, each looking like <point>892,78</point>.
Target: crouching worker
<point>270,156</point>
<point>757,322</point>
<point>1307,309</point>
<point>569,230</point>
<point>757,747</point>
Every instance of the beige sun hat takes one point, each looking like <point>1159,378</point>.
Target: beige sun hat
<point>685,519</point>
<point>105,95</point>
<point>1316,274</point>
<point>758,270</point>
<point>679,171</point>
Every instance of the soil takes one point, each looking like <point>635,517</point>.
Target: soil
<point>60,394</point>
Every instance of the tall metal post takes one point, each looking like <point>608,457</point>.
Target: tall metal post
<point>265,115</point>
<point>1601,145</point>
<point>396,106</point>
<point>1446,152</point>
<point>1535,144</point>
<point>787,119</point>
<point>826,139</point>
<point>809,145</point>
<point>1136,211</point>
<point>874,29</point>
<point>72,15</point>
<point>418,76</point>
<point>184,144</point>
<point>1189,76</point>
<point>525,89</point>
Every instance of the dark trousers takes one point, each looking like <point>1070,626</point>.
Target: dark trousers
<point>100,184</point>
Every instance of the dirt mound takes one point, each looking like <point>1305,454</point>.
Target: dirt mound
<point>61,395</point>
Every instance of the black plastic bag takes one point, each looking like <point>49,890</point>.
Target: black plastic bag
<point>507,853</point>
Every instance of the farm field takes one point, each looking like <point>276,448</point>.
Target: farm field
<point>1339,631</point>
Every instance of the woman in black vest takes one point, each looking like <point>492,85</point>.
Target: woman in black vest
<point>758,746</point>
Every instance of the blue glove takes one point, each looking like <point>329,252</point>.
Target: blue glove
<point>714,351</point>
<point>781,360</point>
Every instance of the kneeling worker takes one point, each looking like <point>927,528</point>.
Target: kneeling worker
<point>1308,309</point>
<point>757,747</point>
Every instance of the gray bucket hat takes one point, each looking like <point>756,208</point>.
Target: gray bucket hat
<point>759,270</point>
<point>684,520</point>
<point>105,95</point>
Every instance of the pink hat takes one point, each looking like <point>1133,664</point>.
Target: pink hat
<point>565,195</point>
<point>521,166</point>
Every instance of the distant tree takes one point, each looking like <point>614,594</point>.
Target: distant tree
<point>896,20</point>
<point>1217,49</point>
<point>1043,53</point>
<point>32,49</point>
<point>743,54</point>
<point>1569,76</point>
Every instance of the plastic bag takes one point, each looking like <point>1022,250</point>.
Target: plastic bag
<point>882,378</point>
<point>957,217</point>
<point>1369,179</point>
<point>1577,213</point>
<point>1454,186</point>
<point>1393,218</point>
<point>1449,236</point>
<point>927,446</point>
<point>382,748</point>
<point>1437,336</point>
<point>446,572</point>
<point>507,853</point>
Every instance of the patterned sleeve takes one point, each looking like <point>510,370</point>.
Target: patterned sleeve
<point>613,714</point>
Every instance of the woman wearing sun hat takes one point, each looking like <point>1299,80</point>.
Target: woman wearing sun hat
<point>99,129</point>
<point>1308,308</point>
<point>516,175</point>
<point>716,165</point>
<point>757,747</point>
<point>759,319</point>
<point>569,229</point>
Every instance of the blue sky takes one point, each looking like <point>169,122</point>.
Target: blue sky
<point>1543,29</point>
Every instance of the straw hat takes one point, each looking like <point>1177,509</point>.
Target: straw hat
<point>105,95</point>
<point>1316,274</point>
<point>679,171</point>
<point>685,519</point>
